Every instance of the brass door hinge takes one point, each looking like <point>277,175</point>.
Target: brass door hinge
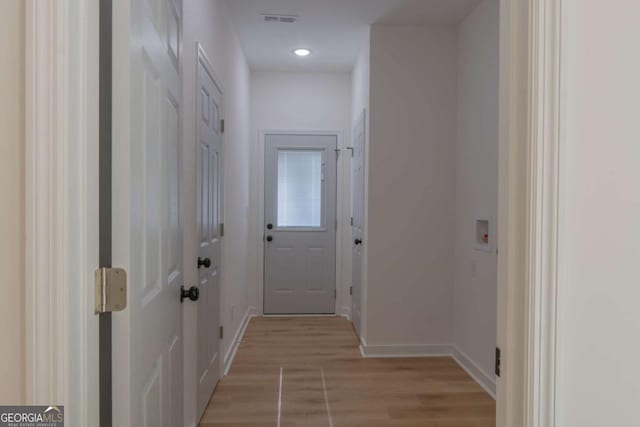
<point>110,290</point>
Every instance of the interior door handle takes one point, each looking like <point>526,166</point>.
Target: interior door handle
<point>192,293</point>
<point>204,262</point>
<point>358,241</point>
<point>269,238</point>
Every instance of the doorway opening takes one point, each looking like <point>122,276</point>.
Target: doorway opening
<point>237,301</point>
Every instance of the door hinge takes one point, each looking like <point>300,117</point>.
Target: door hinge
<point>222,126</point>
<point>222,229</point>
<point>352,221</point>
<point>335,293</point>
<point>336,224</point>
<point>221,331</point>
<point>498,361</point>
<point>337,153</point>
<point>110,290</point>
<point>350,290</point>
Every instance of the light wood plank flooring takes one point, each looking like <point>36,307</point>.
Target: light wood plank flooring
<point>309,372</point>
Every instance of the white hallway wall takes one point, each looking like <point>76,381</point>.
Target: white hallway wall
<point>432,169</point>
<point>302,102</point>
<point>12,212</point>
<point>475,281</point>
<point>208,23</point>
<point>598,343</point>
<point>411,205</point>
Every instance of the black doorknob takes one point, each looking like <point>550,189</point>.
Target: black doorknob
<point>269,226</point>
<point>357,241</point>
<point>192,293</point>
<point>206,262</point>
<point>269,238</point>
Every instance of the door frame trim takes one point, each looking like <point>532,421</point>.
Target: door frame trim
<point>61,204</point>
<point>339,212</point>
<point>529,237</point>
<point>545,245</point>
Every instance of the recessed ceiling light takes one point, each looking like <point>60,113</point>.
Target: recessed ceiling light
<point>302,52</point>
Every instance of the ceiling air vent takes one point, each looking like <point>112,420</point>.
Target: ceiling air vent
<point>280,19</point>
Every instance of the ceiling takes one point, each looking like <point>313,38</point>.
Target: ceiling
<point>334,30</point>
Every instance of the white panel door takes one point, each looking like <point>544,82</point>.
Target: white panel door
<point>357,213</point>
<point>147,205</point>
<point>300,224</point>
<point>209,207</point>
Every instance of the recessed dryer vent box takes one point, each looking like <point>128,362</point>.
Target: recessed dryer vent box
<point>484,235</point>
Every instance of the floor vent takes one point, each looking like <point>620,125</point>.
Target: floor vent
<point>280,19</point>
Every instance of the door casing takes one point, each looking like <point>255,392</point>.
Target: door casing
<point>340,210</point>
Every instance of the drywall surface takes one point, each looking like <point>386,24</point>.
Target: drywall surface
<point>598,343</point>
<point>12,212</point>
<point>209,23</point>
<point>301,102</point>
<point>411,179</point>
<point>475,289</point>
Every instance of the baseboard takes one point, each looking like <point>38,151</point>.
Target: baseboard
<point>346,312</point>
<point>362,346</point>
<point>231,353</point>
<point>286,316</point>
<point>487,382</point>
<point>405,350</point>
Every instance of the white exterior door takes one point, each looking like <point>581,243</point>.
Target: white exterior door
<point>357,215</point>
<point>147,206</point>
<point>209,209</point>
<point>300,224</point>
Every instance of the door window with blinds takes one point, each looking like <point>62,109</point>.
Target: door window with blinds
<point>300,188</point>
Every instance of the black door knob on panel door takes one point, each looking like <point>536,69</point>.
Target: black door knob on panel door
<point>358,241</point>
<point>204,262</point>
<point>269,238</point>
<point>192,293</point>
<point>269,226</point>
